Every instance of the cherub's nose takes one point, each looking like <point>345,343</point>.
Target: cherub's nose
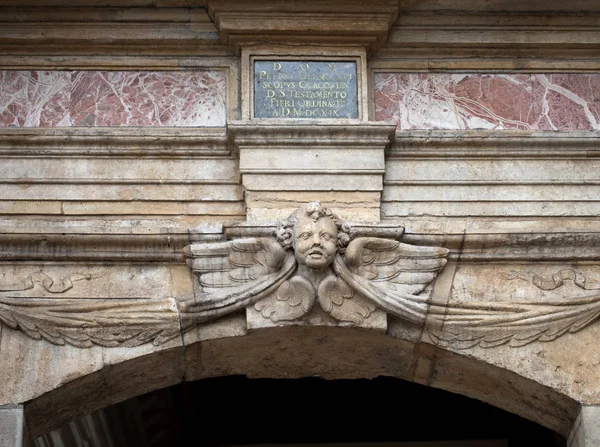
<point>316,239</point>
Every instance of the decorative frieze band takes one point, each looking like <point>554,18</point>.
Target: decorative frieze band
<point>357,274</point>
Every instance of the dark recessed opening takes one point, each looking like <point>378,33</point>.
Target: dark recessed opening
<point>229,411</point>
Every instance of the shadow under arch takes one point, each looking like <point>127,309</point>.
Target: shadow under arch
<point>297,351</point>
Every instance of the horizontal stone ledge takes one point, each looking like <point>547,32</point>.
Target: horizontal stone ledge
<point>306,132</point>
<point>127,227</point>
<point>114,141</point>
<point>499,37</point>
<point>98,3</point>
<point>167,246</point>
<point>509,247</point>
<point>495,144</point>
<point>485,60</point>
<point>82,11</point>
<point>93,247</point>
<point>527,19</point>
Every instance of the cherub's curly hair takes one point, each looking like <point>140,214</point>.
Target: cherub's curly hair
<point>314,210</point>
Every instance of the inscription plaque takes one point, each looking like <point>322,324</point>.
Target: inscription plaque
<point>305,89</point>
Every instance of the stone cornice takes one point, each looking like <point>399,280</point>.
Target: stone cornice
<point>332,22</point>
<point>112,142</point>
<point>492,40</point>
<point>495,144</point>
<point>101,30</point>
<point>309,133</point>
<point>94,245</point>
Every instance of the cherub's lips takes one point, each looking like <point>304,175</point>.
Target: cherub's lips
<point>315,254</point>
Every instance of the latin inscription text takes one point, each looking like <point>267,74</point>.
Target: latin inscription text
<point>305,89</point>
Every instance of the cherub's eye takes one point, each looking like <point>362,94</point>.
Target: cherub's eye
<point>327,236</point>
<point>305,235</point>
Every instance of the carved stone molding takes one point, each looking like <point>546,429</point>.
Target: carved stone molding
<point>87,28</point>
<point>352,279</point>
<point>102,141</point>
<point>283,166</point>
<point>500,175</point>
<point>314,258</point>
<point>492,37</point>
<point>311,269</point>
<point>333,22</point>
<point>494,144</point>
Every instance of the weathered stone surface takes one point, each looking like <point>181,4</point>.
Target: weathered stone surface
<point>518,211</point>
<point>176,30</point>
<point>312,22</point>
<point>11,426</point>
<point>334,275</point>
<point>107,386</point>
<point>586,430</point>
<point>502,388</point>
<point>332,353</point>
<point>479,175</point>
<point>83,173</point>
<point>337,160</point>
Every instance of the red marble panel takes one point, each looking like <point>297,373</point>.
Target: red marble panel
<point>182,98</point>
<point>94,98</point>
<point>562,102</point>
<point>34,98</point>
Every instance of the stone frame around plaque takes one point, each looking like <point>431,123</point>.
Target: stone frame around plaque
<point>278,53</point>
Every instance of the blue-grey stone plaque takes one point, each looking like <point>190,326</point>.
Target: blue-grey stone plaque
<point>305,89</point>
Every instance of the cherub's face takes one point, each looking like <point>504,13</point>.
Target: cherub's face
<point>315,242</point>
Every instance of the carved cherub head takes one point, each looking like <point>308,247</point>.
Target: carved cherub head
<point>315,234</point>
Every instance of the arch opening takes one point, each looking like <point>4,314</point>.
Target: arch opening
<point>236,411</point>
<point>301,352</point>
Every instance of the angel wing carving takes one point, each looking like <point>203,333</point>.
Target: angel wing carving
<point>235,274</point>
<point>392,274</point>
<point>88,322</point>
<point>340,301</point>
<point>293,299</point>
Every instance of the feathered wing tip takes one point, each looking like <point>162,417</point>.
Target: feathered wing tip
<point>471,324</point>
<point>233,275</point>
<point>340,301</point>
<point>391,274</point>
<point>293,299</point>
<point>85,323</point>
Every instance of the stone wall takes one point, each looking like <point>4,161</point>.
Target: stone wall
<point>130,155</point>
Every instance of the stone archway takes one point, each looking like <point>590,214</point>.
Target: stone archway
<point>294,352</point>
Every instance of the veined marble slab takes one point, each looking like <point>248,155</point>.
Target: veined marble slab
<point>556,102</point>
<point>112,98</point>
